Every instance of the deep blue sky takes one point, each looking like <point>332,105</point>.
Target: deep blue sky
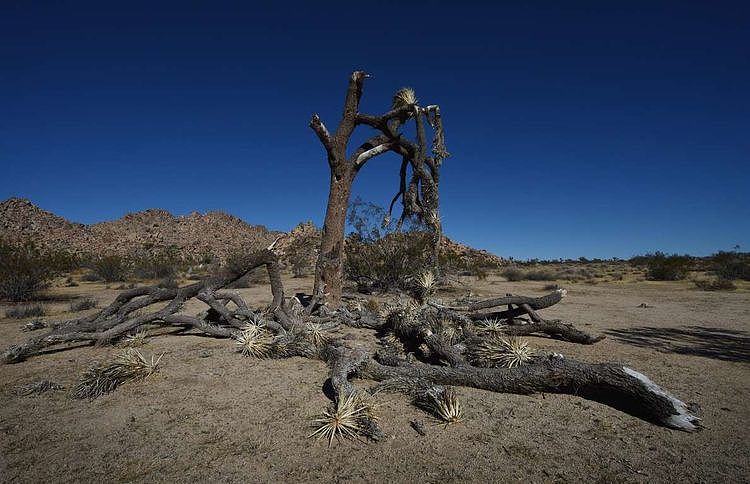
<point>576,128</point>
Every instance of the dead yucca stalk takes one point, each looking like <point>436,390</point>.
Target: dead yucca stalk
<point>341,420</point>
<point>443,403</point>
<point>100,380</point>
<point>508,352</point>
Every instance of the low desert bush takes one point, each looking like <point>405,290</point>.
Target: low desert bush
<point>90,277</point>
<point>389,262</point>
<point>156,266</point>
<point>168,283</point>
<point>717,284</point>
<point>25,311</point>
<point>111,268</point>
<point>25,270</point>
<point>662,267</point>
<point>731,265</point>
<point>514,274</point>
<point>83,304</point>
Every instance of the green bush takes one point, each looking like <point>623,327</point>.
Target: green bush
<point>157,266</point>
<point>25,270</point>
<point>513,274</point>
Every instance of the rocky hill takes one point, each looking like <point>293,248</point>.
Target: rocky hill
<point>196,236</point>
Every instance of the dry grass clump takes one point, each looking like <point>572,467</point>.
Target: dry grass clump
<point>345,419</point>
<point>443,403</point>
<point>100,380</point>
<point>508,352</point>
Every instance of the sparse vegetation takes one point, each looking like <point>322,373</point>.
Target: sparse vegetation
<point>129,365</point>
<point>662,267</point>
<point>83,304</point>
<point>110,268</point>
<point>25,270</point>
<point>715,284</point>
<point>26,311</point>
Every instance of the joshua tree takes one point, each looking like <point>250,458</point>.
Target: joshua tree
<point>425,344</point>
<point>419,173</point>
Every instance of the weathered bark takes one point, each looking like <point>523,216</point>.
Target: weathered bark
<point>119,318</point>
<point>615,385</point>
<point>419,199</point>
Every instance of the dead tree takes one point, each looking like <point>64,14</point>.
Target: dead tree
<point>424,345</point>
<point>419,173</point>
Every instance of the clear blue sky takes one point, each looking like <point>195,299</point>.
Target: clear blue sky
<point>576,128</point>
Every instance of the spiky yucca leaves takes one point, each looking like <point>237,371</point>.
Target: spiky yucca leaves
<point>404,97</point>
<point>442,402</point>
<point>253,341</point>
<point>136,339</point>
<point>319,333</point>
<point>490,325</point>
<point>129,365</point>
<point>425,283</point>
<point>344,419</point>
<point>508,352</point>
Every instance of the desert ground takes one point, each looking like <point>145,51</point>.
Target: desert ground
<point>210,414</point>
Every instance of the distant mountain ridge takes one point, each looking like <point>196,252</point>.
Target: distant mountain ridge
<point>196,236</point>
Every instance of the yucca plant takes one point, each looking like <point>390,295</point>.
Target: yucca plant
<point>136,339</point>
<point>318,333</point>
<point>443,403</point>
<point>253,341</point>
<point>343,419</point>
<point>491,325</point>
<point>508,352</point>
<point>129,365</point>
<point>404,97</point>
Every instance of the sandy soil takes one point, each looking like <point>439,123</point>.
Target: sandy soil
<point>211,415</point>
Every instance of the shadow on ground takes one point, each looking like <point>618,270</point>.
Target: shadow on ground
<point>717,343</point>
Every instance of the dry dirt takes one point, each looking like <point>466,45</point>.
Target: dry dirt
<point>212,415</point>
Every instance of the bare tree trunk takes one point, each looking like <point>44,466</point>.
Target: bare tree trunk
<point>329,271</point>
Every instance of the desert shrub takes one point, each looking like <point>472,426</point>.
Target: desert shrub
<point>90,277</point>
<point>551,287</point>
<point>731,265</point>
<point>662,267</point>
<point>83,304</point>
<point>25,270</point>
<point>168,283</point>
<point>513,274</point>
<point>156,266</point>
<point>575,273</point>
<point>302,252</point>
<point>110,268</point>
<point>540,275</point>
<point>717,284</point>
<point>389,262</point>
<point>25,311</point>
